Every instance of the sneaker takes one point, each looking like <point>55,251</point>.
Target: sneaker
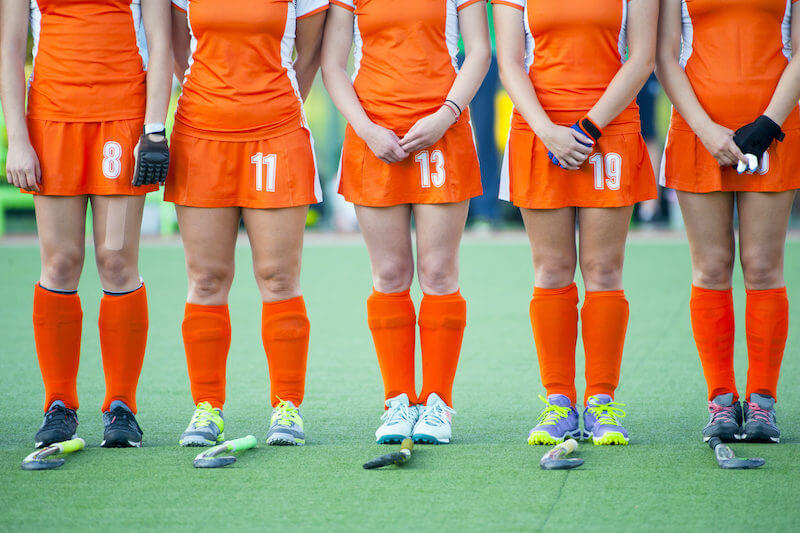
<point>121,428</point>
<point>286,426</point>
<point>398,421</point>
<point>760,424</point>
<point>59,424</point>
<point>724,419</point>
<point>434,425</point>
<point>556,423</point>
<point>601,421</point>
<point>207,427</point>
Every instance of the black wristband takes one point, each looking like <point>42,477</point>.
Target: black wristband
<point>590,128</point>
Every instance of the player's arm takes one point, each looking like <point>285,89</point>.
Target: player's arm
<point>566,144</point>
<point>22,164</point>
<point>308,43</point>
<point>336,46</point>
<point>181,41</point>
<point>472,21</point>
<point>717,139</point>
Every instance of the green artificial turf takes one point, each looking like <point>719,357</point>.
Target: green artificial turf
<point>487,479</point>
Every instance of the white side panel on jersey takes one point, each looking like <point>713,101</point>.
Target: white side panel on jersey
<point>504,193</point>
<point>358,47</point>
<point>36,31</point>
<point>530,43</point>
<point>451,30</point>
<point>192,43</point>
<point>622,41</point>
<point>662,171</point>
<point>687,34</point>
<point>786,31</point>
<point>138,27</point>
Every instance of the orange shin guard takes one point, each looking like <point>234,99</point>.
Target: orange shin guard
<point>441,329</point>
<point>604,322</point>
<point>392,322</point>
<point>767,325</point>
<point>207,339</point>
<point>714,326</point>
<point>57,321</point>
<point>123,338</point>
<point>554,319</point>
<point>285,331</point>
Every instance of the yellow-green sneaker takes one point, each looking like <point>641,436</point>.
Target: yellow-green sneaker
<point>286,426</point>
<point>206,427</point>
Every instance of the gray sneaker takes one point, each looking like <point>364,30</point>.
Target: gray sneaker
<point>760,424</point>
<point>725,419</point>
<point>206,427</point>
<point>286,426</point>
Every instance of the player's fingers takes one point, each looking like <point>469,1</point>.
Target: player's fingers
<point>30,179</point>
<point>581,138</point>
<point>37,169</point>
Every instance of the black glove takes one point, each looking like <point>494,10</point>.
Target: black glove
<point>753,139</point>
<point>152,161</point>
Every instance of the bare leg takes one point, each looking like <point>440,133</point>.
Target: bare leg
<point>61,222</point>
<point>118,269</point>
<point>387,234</point>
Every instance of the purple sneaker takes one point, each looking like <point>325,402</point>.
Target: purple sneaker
<point>557,422</point>
<point>601,421</point>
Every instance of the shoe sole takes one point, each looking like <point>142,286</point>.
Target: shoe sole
<point>198,442</point>
<point>611,438</point>
<point>43,444</point>
<point>544,438</point>
<point>283,439</point>
<point>121,444</point>
<point>420,438</point>
<point>391,439</point>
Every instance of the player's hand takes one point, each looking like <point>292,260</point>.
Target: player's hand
<point>152,159</point>
<point>22,166</point>
<point>567,147</point>
<point>718,140</point>
<point>384,143</point>
<point>426,131</point>
<point>753,139</point>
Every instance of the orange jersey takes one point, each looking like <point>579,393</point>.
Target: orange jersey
<point>89,60</point>
<point>405,58</point>
<point>734,53</point>
<point>573,49</point>
<point>241,83</point>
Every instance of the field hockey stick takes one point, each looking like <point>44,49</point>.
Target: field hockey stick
<point>728,460</point>
<point>555,459</point>
<point>115,222</point>
<point>212,457</point>
<point>395,458</point>
<point>38,459</point>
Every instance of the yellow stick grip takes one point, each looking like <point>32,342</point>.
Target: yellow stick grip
<point>69,446</point>
<point>407,444</point>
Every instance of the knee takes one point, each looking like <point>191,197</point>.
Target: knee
<point>762,271</point>
<point>438,277</point>
<point>554,273</point>
<point>117,272</point>
<point>277,283</point>
<point>602,274</point>
<point>209,282</point>
<point>62,269</point>
<point>392,276</point>
<point>714,271</point>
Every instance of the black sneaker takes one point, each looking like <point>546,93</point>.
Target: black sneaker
<point>59,424</point>
<point>760,424</point>
<point>121,428</point>
<point>724,419</point>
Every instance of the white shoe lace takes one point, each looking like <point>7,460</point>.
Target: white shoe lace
<point>434,415</point>
<point>398,413</point>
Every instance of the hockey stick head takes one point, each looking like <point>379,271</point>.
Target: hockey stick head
<point>727,460</point>
<point>38,459</point>
<point>394,458</point>
<point>214,462</point>
<point>555,458</point>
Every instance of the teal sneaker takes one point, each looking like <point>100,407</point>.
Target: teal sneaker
<point>556,423</point>
<point>206,427</point>
<point>601,421</point>
<point>286,426</point>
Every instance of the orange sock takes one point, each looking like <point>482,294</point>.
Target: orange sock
<point>393,322</point>
<point>767,325</point>
<point>285,331</point>
<point>123,337</point>
<point>714,326</point>
<point>57,321</point>
<point>207,339</point>
<point>604,322</point>
<point>554,318</point>
<point>441,329</point>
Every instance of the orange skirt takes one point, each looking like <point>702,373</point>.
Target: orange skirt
<point>618,173</point>
<point>689,167</point>
<point>268,173</point>
<point>445,172</point>
<point>79,158</point>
